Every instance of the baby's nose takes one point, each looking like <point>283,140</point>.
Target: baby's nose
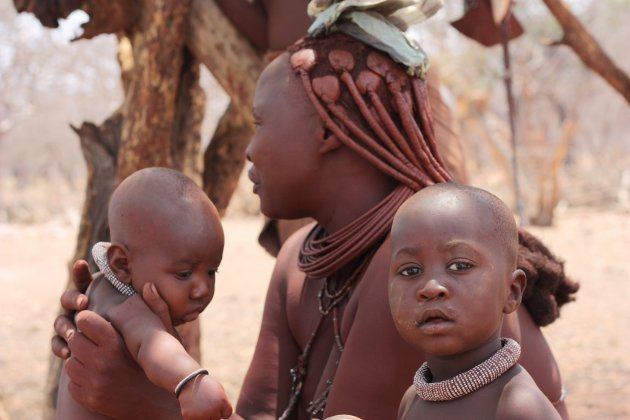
<point>431,290</point>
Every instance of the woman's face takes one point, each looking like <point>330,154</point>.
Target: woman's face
<point>284,150</point>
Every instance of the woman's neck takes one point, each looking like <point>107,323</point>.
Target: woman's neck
<point>351,197</point>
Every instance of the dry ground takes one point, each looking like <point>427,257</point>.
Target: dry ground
<point>590,340</point>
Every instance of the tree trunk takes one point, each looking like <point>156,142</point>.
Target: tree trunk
<point>100,148</point>
<point>225,157</point>
<point>548,179</point>
<point>157,45</point>
<point>236,65</point>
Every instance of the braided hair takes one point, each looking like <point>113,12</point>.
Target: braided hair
<point>376,109</point>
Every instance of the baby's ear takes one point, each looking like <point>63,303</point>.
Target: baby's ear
<point>517,284</point>
<point>118,260</point>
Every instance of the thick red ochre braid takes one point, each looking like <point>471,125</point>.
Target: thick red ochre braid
<point>374,108</point>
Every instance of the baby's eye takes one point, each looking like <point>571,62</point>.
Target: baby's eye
<point>410,271</point>
<point>213,273</point>
<point>183,275</point>
<point>460,266</point>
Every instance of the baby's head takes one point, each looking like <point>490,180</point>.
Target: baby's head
<point>453,270</point>
<point>165,230</point>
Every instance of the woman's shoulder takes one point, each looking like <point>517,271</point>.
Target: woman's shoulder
<point>287,258</point>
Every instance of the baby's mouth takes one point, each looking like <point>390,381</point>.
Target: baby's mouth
<point>432,319</point>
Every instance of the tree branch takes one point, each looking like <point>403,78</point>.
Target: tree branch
<point>586,47</point>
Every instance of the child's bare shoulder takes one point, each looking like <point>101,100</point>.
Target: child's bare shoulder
<point>102,296</point>
<point>522,399</point>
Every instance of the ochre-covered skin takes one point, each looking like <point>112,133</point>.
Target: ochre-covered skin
<point>164,231</point>
<point>453,276</point>
<point>303,168</point>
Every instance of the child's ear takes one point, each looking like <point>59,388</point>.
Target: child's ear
<point>328,141</point>
<point>517,285</point>
<point>118,260</point>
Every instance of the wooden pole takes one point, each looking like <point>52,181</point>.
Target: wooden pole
<point>507,78</point>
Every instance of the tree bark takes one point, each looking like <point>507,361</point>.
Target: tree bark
<point>236,65</point>
<point>587,48</point>
<point>157,45</point>
<point>231,59</point>
<point>100,148</point>
<point>190,110</point>
<point>224,158</point>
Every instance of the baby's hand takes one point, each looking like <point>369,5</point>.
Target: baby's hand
<point>204,398</point>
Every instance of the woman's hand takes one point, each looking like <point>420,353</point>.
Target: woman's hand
<point>103,375</point>
<point>72,301</point>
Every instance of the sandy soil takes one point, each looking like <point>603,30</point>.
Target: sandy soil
<point>588,340</point>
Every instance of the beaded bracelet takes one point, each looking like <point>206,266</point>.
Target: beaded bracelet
<point>192,375</point>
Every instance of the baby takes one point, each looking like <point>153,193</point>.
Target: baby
<point>166,238</point>
<point>452,278</point>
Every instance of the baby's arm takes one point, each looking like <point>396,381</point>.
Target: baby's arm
<point>165,361</point>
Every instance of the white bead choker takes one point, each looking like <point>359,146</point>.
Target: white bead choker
<point>99,253</point>
<point>469,381</point>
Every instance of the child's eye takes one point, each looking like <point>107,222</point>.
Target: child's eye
<point>410,271</point>
<point>460,266</point>
<point>213,273</point>
<point>183,275</point>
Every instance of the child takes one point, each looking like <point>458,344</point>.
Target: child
<point>452,277</point>
<point>165,236</point>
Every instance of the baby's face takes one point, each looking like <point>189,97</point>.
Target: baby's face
<point>447,279</point>
<point>182,260</point>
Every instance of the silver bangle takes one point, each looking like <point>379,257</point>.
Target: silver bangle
<point>192,375</point>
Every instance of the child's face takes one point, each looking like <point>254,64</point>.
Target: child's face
<point>181,258</point>
<point>448,279</point>
<point>283,151</point>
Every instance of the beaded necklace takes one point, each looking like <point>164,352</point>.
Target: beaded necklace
<point>335,289</point>
<point>469,381</point>
<point>99,253</point>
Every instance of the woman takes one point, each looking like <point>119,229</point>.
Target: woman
<point>344,136</point>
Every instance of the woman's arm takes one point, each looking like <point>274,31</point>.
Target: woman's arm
<point>539,361</point>
<point>266,388</point>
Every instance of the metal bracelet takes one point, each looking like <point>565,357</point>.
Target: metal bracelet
<point>192,375</point>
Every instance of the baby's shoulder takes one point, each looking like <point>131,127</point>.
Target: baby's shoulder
<point>522,399</point>
<point>102,296</point>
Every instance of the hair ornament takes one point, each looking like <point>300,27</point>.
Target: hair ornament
<point>379,23</point>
